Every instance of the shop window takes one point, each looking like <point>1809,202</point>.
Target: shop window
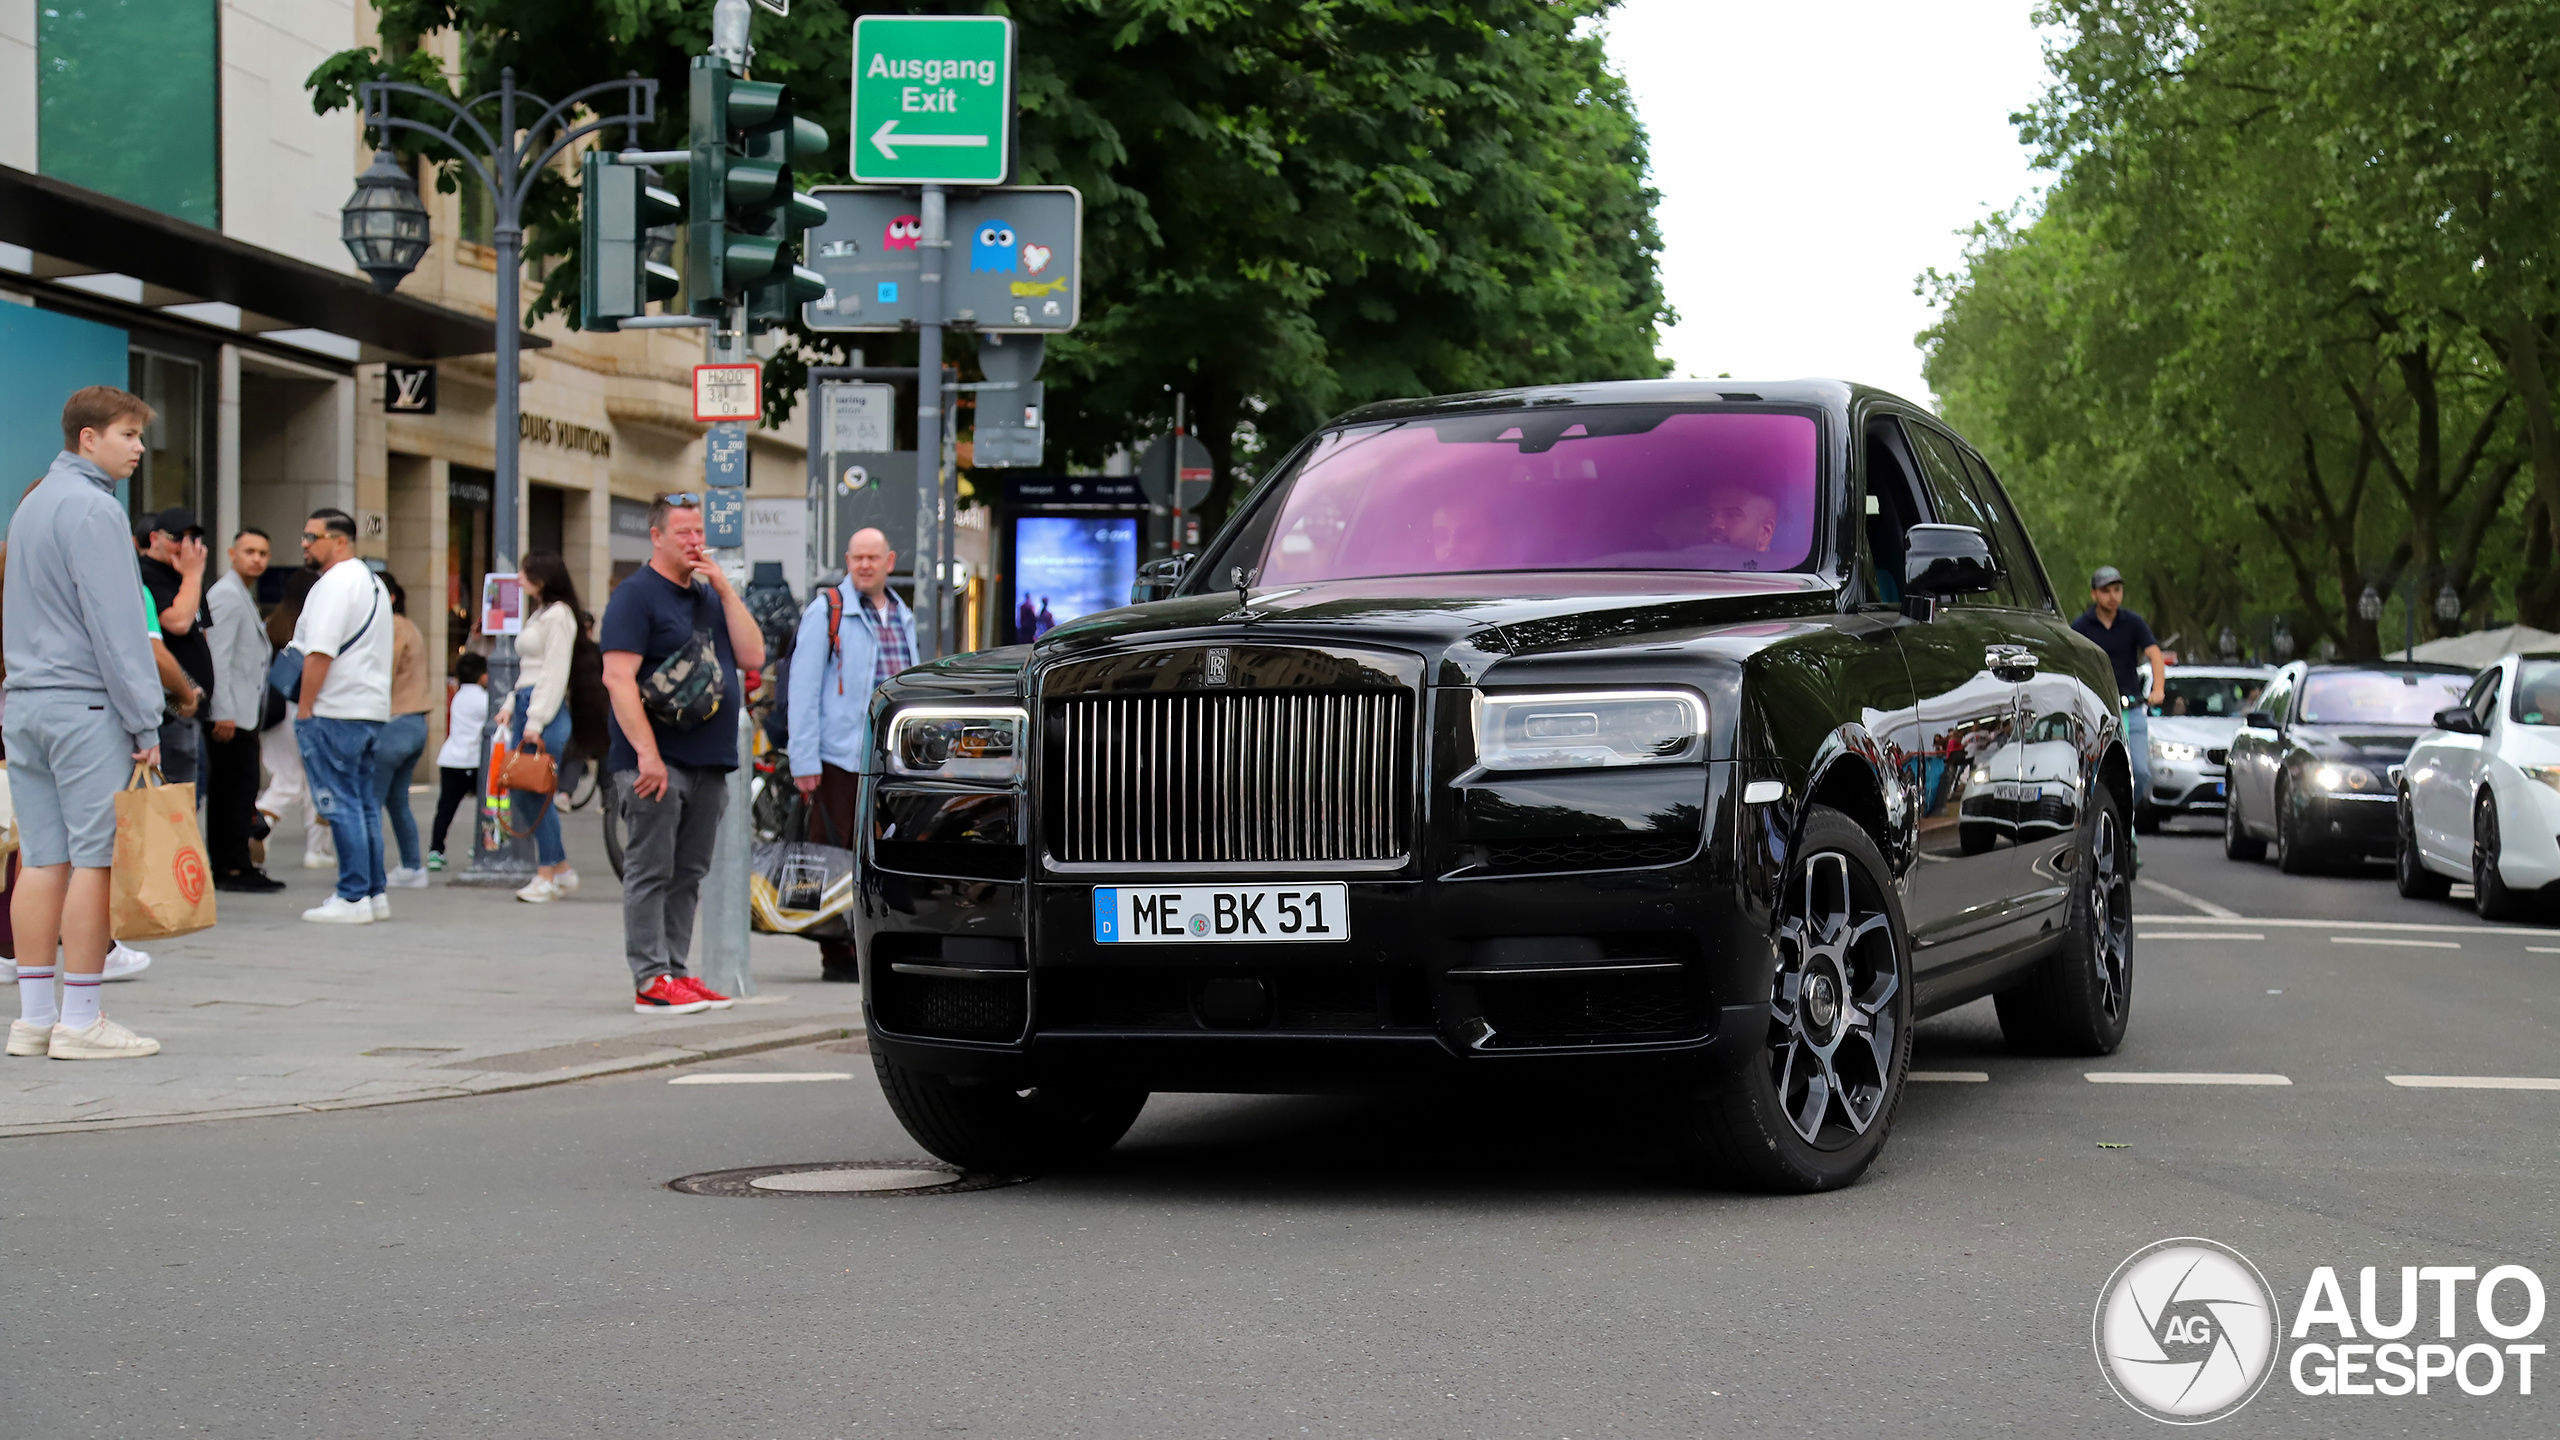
<point>469,549</point>
<point>172,456</point>
<point>127,102</point>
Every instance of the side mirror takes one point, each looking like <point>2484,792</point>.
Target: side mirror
<point>2258,720</point>
<point>1947,560</point>
<point>1157,579</point>
<point>2459,720</point>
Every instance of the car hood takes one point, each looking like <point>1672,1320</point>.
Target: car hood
<point>2368,744</point>
<point>2211,731</point>
<point>1459,624</point>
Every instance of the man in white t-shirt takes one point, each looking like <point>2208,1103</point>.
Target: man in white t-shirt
<point>345,639</point>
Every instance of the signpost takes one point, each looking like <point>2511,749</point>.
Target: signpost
<point>932,99</point>
<point>1023,274</point>
<point>728,392</point>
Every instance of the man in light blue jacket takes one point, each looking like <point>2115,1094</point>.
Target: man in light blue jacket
<point>853,637</point>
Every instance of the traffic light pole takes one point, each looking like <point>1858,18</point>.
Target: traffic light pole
<point>930,561</point>
<point>728,921</point>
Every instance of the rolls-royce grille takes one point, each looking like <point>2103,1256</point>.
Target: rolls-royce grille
<point>1278,776</point>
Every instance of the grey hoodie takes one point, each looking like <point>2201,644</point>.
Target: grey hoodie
<point>74,604</point>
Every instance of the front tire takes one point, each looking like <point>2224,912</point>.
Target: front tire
<point>1013,1132</point>
<point>2408,867</point>
<point>2294,856</point>
<point>1813,1107</point>
<point>2079,1002</point>
<point>2490,896</point>
<point>2237,842</point>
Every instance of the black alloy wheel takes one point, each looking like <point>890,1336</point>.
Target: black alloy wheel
<point>2079,1001</point>
<point>981,1125</point>
<point>2237,842</point>
<point>2490,896</point>
<point>1812,1109</point>
<point>2408,868</point>
<point>2294,855</point>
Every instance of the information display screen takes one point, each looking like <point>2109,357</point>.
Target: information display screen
<point>1068,565</point>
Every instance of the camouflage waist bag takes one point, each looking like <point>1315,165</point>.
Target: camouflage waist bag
<point>684,691</point>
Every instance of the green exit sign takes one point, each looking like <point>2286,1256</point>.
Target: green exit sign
<point>932,99</point>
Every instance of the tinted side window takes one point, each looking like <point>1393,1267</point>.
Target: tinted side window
<point>1893,504</point>
<point>2279,695</point>
<point>2026,572</point>
<point>2483,698</point>
<point>1957,505</point>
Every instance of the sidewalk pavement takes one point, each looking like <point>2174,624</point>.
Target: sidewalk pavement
<point>463,991</point>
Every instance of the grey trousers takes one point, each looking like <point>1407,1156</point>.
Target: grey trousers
<point>666,850</point>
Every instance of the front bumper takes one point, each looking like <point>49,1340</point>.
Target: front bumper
<point>2350,823</point>
<point>1450,976</point>
<point>2187,787</point>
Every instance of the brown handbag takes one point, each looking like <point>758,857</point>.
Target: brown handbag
<point>532,771</point>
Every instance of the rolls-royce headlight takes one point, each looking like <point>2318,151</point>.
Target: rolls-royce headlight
<point>2172,752</point>
<point>1589,729</point>
<point>982,744</point>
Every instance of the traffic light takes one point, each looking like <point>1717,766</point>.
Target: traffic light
<point>616,279</point>
<point>746,216</point>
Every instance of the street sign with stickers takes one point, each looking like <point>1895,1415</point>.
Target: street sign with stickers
<point>1023,273</point>
<point>728,392</point>
<point>932,99</point>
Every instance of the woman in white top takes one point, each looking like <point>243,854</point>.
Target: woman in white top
<point>540,707</point>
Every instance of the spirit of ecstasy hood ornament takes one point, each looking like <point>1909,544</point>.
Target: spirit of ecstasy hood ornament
<point>1243,580</point>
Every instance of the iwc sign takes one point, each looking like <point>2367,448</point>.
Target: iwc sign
<point>2186,1331</point>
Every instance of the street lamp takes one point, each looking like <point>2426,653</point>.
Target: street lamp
<point>2228,646</point>
<point>2370,606</point>
<point>2281,641</point>
<point>2448,603</point>
<point>384,224</point>
<point>386,227</point>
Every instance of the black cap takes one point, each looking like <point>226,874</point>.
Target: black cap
<point>177,520</point>
<point>2107,575</point>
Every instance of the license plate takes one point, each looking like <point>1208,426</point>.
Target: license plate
<point>1219,914</point>
<point>2007,790</point>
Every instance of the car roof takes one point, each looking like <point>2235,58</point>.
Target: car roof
<point>1835,395</point>
<point>2217,672</point>
<point>2367,667</point>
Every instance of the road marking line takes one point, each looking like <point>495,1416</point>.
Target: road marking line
<point>2200,935</point>
<point>2181,1077</point>
<point>2389,940</point>
<point>2395,926</point>
<point>1955,1077</point>
<point>766,1077</point>
<point>2542,949</point>
<point>2475,1082</point>
<point>2195,902</point>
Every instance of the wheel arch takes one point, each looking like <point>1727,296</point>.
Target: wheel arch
<point>1853,773</point>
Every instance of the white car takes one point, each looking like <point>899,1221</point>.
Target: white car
<point>2191,732</point>
<point>2480,798</point>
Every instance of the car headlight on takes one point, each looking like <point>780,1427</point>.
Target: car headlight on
<point>2347,779</point>
<point>2175,752</point>
<point>1589,730</point>
<point>2544,774</point>
<point>982,744</point>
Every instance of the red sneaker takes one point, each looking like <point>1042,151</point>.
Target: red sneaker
<point>669,995</point>
<point>705,993</point>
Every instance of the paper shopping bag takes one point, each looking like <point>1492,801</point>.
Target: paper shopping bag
<point>161,885</point>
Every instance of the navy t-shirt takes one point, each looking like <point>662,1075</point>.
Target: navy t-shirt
<point>2124,643</point>
<point>654,616</point>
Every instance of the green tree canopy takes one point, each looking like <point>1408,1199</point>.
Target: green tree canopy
<point>1292,206</point>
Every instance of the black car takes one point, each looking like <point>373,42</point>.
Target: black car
<point>1619,737</point>
<point>2316,767</point>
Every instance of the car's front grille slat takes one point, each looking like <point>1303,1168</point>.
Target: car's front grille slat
<point>1232,778</point>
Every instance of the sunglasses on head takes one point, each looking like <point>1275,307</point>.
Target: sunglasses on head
<point>681,497</point>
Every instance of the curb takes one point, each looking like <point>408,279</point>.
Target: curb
<point>779,1038</point>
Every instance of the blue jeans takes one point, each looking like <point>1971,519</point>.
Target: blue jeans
<point>547,849</point>
<point>2137,739</point>
<point>337,759</point>
<point>395,760</point>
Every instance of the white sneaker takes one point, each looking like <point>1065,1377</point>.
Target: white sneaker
<point>105,1040</point>
<point>381,903</point>
<point>566,882</point>
<point>408,879</point>
<point>124,962</point>
<point>316,860</point>
<point>539,892</point>
<point>28,1039</point>
<point>339,911</point>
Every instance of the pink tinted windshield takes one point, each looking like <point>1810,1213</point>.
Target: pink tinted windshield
<point>1638,488</point>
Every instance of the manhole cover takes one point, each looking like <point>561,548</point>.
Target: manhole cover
<point>851,1178</point>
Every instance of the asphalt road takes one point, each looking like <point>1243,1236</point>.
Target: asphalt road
<point>512,1265</point>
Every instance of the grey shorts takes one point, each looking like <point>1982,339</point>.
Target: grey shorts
<point>67,759</point>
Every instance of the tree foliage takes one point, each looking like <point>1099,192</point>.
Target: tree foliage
<point>1292,206</point>
<point>2282,329</point>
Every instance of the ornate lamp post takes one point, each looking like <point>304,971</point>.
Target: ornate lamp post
<point>385,227</point>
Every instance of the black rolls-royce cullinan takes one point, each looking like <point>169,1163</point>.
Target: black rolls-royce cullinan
<point>1681,742</point>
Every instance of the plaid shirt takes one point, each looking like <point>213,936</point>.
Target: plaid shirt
<point>891,650</point>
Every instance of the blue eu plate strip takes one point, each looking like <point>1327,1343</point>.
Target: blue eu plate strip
<point>1106,916</point>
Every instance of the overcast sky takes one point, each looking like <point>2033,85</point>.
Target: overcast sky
<point>1813,160</point>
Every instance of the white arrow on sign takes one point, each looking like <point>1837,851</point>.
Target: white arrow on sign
<point>887,139</point>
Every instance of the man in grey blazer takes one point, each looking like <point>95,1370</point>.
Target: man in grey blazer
<point>240,656</point>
